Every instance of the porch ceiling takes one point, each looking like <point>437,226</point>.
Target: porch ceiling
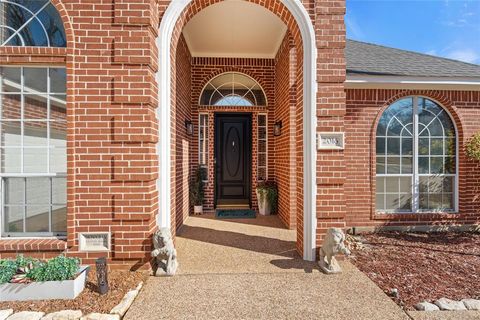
<point>234,28</point>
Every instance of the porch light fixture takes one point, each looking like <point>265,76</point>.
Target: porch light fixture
<point>277,128</point>
<point>189,127</point>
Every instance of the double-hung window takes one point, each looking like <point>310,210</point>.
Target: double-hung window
<point>416,152</point>
<point>33,151</point>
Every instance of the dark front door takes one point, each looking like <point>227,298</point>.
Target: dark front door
<point>233,150</point>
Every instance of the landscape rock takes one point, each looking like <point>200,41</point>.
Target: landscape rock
<point>126,302</point>
<point>100,316</point>
<point>64,315</point>
<point>471,304</point>
<point>5,313</point>
<point>426,306</point>
<point>26,315</point>
<point>450,305</point>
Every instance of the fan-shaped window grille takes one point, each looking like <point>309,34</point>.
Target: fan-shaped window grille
<point>233,89</point>
<point>416,158</point>
<point>33,23</point>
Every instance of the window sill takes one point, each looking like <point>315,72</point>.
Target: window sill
<point>416,215</point>
<point>35,244</point>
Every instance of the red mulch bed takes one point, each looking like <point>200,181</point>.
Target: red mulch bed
<point>422,266</point>
<point>120,282</point>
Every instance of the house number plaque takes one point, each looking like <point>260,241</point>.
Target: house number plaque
<point>330,140</point>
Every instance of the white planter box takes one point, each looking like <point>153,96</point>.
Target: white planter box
<point>68,289</point>
<point>264,207</point>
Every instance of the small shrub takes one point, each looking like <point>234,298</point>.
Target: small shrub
<point>473,147</point>
<point>26,269</point>
<point>8,268</point>
<point>196,187</point>
<point>56,269</point>
<point>269,190</point>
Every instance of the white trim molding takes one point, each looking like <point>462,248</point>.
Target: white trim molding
<point>163,78</point>
<point>414,83</point>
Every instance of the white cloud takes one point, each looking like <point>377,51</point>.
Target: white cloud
<point>466,55</point>
<point>432,52</point>
<point>354,27</point>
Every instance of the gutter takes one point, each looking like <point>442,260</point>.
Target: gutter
<point>418,83</point>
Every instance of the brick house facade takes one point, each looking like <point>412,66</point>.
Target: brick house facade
<point>132,81</point>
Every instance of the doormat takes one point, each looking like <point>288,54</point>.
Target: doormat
<point>235,214</point>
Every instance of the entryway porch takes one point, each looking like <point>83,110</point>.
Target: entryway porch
<point>249,269</point>
<point>208,245</point>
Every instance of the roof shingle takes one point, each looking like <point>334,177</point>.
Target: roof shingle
<point>370,59</point>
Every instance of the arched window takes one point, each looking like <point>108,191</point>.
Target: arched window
<point>233,89</point>
<point>30,23</point>
<point>416,158</point>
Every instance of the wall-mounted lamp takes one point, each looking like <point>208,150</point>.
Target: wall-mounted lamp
<point>189,127</point>
<point>277,128</point>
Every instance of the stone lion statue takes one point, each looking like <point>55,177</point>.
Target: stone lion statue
<point>332,245</point>
<point>164,253</point>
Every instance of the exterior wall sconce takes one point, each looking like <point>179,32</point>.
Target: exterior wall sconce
<point>277,128</point>
<point>102,278</point>
<point>189,127</point>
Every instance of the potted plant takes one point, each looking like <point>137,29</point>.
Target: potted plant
<point>267,196</point>
<point>196,191</point>
<point>32,279</point>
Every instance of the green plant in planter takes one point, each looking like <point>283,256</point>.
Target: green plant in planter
<point>16,271</point>
<point>57,269</point>
<point>268,190</point>
<point>473,147</point>
<point>197,194</point>
<point>26,269</point>
<point>8,268</point>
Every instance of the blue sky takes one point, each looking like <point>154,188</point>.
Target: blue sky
<point>446,28</point>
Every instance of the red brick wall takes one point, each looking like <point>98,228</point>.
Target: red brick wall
<point>203,70</point>
<point>181,111</point>
<point>111,61</point>
<point>285,144</point>
<point>331,71</point>
<point>364,107</point>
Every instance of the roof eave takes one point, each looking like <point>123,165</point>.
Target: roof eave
<point>362,81</point>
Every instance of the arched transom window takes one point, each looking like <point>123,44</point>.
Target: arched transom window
<point>34,23</point>
<point>233,89</point>
<point>416,158</point>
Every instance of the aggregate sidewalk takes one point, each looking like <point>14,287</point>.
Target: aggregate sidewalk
<point>249,269</point>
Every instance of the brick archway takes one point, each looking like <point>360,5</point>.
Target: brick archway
<point>299,24</point>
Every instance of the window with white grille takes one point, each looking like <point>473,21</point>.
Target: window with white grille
<point>30,23</point>
<point>262,148</point>
<point>203,139</point>
<point>233,89</point>
<point>33,145</point>
<point>416,160</point>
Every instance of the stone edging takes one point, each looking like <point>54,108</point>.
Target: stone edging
<point>122,308</point>
<point>117,312</point>
<point>445,304</point>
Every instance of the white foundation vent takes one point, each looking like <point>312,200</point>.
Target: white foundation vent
<point>94,241</point>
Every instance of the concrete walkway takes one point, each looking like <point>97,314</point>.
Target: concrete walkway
<point>249,269</point>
